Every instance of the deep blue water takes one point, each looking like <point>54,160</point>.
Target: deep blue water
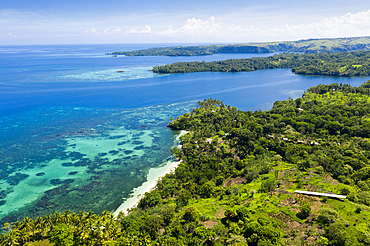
<point>75,134</point>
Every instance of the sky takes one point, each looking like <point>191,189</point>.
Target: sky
<point>157,21</point>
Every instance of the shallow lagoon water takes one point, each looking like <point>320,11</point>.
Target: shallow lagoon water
<point>87,163</point>
<point>77,135</point>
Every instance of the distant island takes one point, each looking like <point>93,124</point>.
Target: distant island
<point>301,46</point>
<point>344,64</point>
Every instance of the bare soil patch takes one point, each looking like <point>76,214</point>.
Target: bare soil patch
<point>220,213</point>
<point>234,181</point>
<point>209,223</point>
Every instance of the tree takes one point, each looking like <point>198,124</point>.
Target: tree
<point>150,199</point>
<point>305,211</point>
<point>62,235</point>
<point>28,225</point>
<point>336,234</point>
<point>256,232</point>
<point>207,189</point>
<point>328,215</point>
<point>12,238</point>
<point>183,197</point>
<point>268,185</point>
<point>191,214</point>
<point>236,240</point>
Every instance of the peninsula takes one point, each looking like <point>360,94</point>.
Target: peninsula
<point>302,46</point>
<point>344,64</point>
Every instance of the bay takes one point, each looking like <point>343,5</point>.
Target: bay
<point>76,134</point>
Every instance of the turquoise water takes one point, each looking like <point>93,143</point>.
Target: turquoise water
<point>77,135</point>
<point>81,158</point>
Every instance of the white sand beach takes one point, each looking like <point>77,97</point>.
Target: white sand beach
<point>153,175</point>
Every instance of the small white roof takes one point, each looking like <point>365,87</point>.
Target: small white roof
<point>319,194</point>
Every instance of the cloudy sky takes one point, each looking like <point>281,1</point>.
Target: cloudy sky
<point>190,21</point>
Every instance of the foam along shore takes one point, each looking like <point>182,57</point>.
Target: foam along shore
<point>153,175</point>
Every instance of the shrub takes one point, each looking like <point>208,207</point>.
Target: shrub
<point>336,234</point>
<point>200,232</point>
<point>62,235</point>
<point>178,232</point>
<point>305,211</point>
<point>364,238</point>
<point>328,215</point>
<point>242,213</point>
<point>150,199</point>
<point>236,239</point>
<point>256,233</point>
<point>191,214</point>
<point>322,241</point>
<point>363,186</point>
<point>344,191</point>
<point>263,221</point>
<point>268,185</point>
<point>183,197</point>
<point>207,189</point>
<point>219,180</point>
<point>361,197</point>
<point>231,214</point>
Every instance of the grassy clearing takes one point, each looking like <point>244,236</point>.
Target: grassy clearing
<point>282,207</point>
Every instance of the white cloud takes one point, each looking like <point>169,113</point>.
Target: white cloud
<point>221,28</point>
<point>108,31</point>
<point>93,31</point>
<point>198,27</point>
<point>105,32</point>
<point>347,25</point>
<point>192,26</point>
<point>147,29</point>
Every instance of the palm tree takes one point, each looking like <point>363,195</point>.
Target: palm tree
<point>90,215</point>
<point>67,216</point>
<point>40,224</point>
<point>107,214</point>
<point>24,235</point>
<point>58,218</point>
<point>29,225</point>
<point>12,238</point>
<point>48,222</point>
<point>75,218</point>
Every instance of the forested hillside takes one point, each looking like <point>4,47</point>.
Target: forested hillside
<point>345,64</point>
<point>302,46</point>
<point>235,184</point>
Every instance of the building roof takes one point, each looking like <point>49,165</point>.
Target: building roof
<point>319,194</point>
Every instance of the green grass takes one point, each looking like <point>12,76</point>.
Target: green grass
<point>273,206</point>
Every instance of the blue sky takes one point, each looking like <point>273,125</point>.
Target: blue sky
<point>190,21</point>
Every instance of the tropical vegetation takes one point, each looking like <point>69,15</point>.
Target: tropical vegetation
<point>345,64</point>
<point>236,182</point>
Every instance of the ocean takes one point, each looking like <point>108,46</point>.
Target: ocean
<point>76,134</point>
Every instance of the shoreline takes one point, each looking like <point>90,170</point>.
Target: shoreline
<point>153,175</point>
